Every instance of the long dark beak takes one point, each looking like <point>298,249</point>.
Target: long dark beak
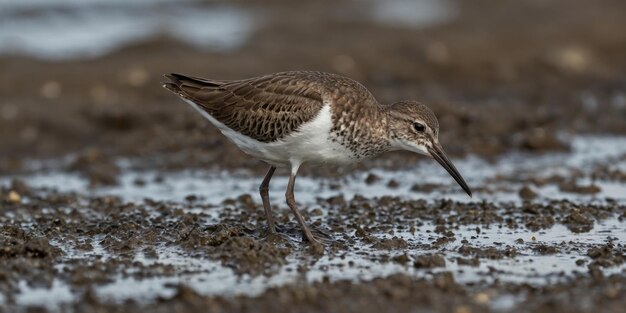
<point>440,156</point>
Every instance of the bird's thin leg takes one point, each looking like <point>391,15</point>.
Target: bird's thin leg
<point>265,196</point>
<point>291,201</point>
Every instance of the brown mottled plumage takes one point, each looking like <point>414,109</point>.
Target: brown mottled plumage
<point>269,107</point>
<point>290,118</point>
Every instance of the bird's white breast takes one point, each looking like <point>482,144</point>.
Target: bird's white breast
<point>309,143</point>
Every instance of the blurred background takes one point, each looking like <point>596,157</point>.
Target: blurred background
<point>82,77</point>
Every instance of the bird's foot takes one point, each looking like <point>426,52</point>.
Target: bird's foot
<point>317,240</point>
<point>322,235</point>
<point>273,229</point>
<point>315,246</point>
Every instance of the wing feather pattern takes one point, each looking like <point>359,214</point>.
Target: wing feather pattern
<point>266,108</point>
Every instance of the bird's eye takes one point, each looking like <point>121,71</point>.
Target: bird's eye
<point>419,127</point>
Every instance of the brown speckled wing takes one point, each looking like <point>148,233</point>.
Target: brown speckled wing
<point>266,108</point>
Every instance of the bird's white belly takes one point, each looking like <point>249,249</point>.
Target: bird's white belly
<point>310,143</point>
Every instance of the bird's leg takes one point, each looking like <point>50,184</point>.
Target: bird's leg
<point>265,196</point>
<point>291,201</point>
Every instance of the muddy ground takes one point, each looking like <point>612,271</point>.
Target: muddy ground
<point>87,243</point>
<point>503,77</point>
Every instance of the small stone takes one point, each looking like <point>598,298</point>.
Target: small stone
<point>14,197</point>
<point>574,58</point>
<point>481,298</point>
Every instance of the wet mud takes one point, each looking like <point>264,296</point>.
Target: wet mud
<point>87,243</point>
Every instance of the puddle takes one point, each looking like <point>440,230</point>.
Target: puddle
<point>505,177</point>
<point>33,27</point>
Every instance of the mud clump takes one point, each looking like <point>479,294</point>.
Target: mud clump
<point>545,249</point>
<point>18,243</point>
<point>537,222</point>
<point>401,259</point>
<point>468,261</point>
<point>540,140</point>
<point>99,169</point>
<point>372,179</point>
<point>25,257</point>
<point>392,183</point>
<point>425,188</point>
<point>606,256</point>
<point>488,253</point>
<point>391,244</point>
<point>578,222</point>
<point>246,255</point>
<point>526,193</point>
<point>581,189</point>
<point>192,236</point>
<point>429,261</point>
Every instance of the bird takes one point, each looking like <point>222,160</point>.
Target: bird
<point>292,118</point>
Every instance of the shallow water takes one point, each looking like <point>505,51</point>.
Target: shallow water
<point>70,29</point>
<point>78,29</point>
<point>503,177</point>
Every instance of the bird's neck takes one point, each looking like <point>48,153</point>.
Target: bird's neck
<point>393,129</point>
<point>363,131</point>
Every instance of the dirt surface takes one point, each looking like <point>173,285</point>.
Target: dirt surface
<point>502,77</point>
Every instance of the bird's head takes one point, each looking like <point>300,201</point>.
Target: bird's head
<point>414,127</point>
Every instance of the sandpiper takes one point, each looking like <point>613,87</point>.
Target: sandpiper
<point>291,118</point>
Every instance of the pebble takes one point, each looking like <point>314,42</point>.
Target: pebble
<point>14,197</point>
